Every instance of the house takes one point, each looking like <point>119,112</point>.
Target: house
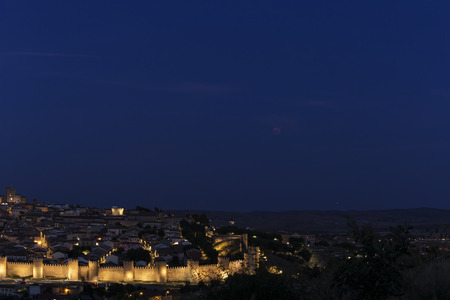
<point>108,243</point>
<point>140,263</point>
<point>17,254</point>
<point>115,230</point>
<point>112,258</point>
<point>38,251</point>
<point>161,245</point>
<point>34,290</point>
<point>169,253</point>
<point>59,255</point>
<point>127,245</point>
<point>8,290</point>
<point>133,239</point>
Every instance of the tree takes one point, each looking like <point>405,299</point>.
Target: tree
<point>144,209</point>
<point>297,243</point>
<point>139,254</point>
<point>195,234</point>
<point>201,219</point>
<point>116,290</point>
<point>305,254</point>
<point>88,290</point>
<point>175,262</point>
<point>78,251</point>
<point>374,270</point>
<point>129,288</point>
<point>262,285</point>
<point>100,292</point>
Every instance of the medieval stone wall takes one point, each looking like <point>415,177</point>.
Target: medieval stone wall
<point>209,272</point>
<point>21,269</point>
<point>110,274</point>
<point>145,274</point>
<point>178,274</point>
<point>84,272</point>
<point>193,272</point>
<point>56,271</point>
<point>236,266</point>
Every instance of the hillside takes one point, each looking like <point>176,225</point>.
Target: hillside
<point>316,221</point>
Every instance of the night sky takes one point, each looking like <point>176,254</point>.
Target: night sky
<point>227,105</point>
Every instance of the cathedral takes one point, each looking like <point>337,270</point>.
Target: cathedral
<point>11,196</point>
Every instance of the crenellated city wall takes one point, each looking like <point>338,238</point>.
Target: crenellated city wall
<point>160,273</point>
<point>236,267</point>
<point>110,274</point>
<point>55,271</point>
<point>145,274</point>
<point>178,273</point>
<point>210,272</point>
<point>21,269</point>
<point>84,272</point>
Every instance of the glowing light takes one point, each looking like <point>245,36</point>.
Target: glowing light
<point>274,270</point>
<point>224,275</point>
<point>117,211</point>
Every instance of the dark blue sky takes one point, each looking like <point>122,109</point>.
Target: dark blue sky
<point>230,105</point>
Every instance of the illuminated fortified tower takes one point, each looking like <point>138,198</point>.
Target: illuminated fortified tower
<point>3,272</point>
<point>128,270</point>
<point>10,194</point>
<point>93,270</point>
<point>38,268</point>
<point>74,270</point>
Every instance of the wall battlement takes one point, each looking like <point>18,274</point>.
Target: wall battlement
<point>20,263</point>
<point>178,267</point>
<point>111,268</point>
<point>144,268</point>
<point>208,266</point>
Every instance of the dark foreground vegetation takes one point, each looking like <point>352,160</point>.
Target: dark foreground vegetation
<point>380,267</point>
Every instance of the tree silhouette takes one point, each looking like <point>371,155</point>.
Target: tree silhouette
<point>374,270</point>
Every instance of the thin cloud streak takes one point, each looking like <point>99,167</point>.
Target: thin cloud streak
<point>194,88</point>
<point>181,88</point>
<point>319,103</point>
<point>45,54</point>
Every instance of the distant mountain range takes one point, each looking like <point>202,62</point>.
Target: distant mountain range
<point>317,221</point>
